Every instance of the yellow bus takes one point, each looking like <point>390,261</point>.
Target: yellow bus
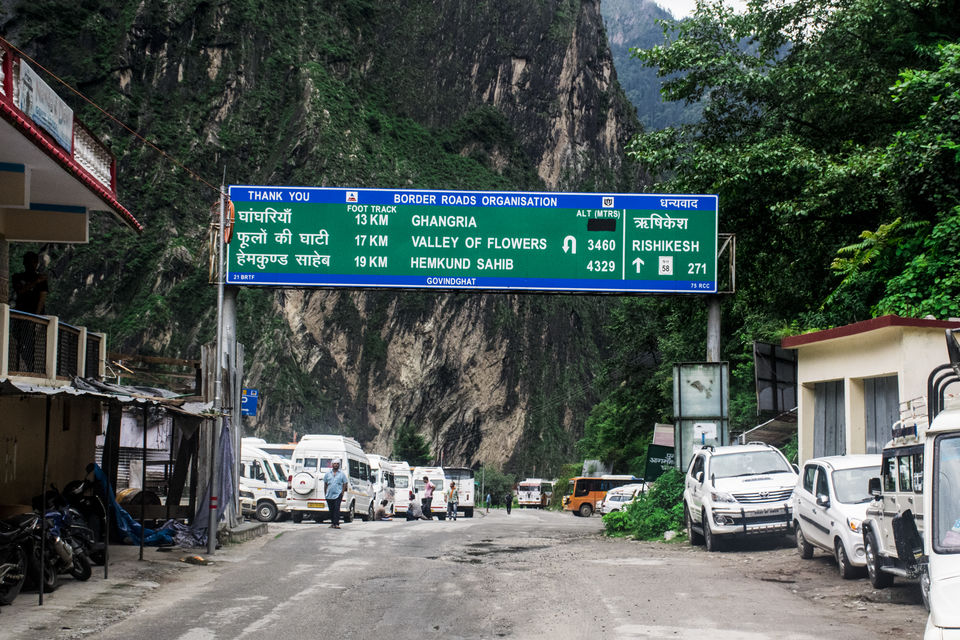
<point>583,493</point>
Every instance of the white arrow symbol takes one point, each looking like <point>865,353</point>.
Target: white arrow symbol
<point>570,244</point>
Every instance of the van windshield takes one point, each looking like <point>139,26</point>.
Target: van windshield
<point>946,494</point>
<point>850,485</point>
<point>731,465</point>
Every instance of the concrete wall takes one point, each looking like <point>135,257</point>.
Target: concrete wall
<point>74,425</point>
<point>904,351</point>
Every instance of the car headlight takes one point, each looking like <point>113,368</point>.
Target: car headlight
<point>854,524</point>
<point>721,496</point>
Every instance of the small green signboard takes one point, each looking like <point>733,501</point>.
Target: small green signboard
<point>492,241</point>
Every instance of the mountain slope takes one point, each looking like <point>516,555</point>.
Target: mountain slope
<point>498,95</point>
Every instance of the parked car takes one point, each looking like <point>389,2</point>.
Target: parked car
<point>894,521</point>
<point>829,505</point>
<point>738,490</point>
<point>618,498</point>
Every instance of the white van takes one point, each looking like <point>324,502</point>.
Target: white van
<point>312,458</point>
<point>383,479</point>
<point>259,476</point>
<point>438,507</point>
<point>402,485</point>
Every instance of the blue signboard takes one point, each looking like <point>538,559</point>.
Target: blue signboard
<point>248,402</point>
<point>473,240</point>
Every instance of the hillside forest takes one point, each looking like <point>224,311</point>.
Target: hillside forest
<point>830,129</point>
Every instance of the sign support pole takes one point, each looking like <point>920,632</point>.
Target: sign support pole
<point>218,389</point>
<point>713,329</point>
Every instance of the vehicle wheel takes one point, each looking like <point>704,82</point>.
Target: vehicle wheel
<point>468,512</point>
<point>925,587</point>
<point>442,516</point>
<point>586,510</point>
<point>50,580</point>
<point>710,539</point>
<point>266,511</point>
<point>369,517</point>
<point>82,569</point>
<point>878,578</point>
<point>696,539</point>
<point>297,517</point>
<point>13,581</point>
<point>847,570</point>
<point>350,513</point>
<point>804,547</point>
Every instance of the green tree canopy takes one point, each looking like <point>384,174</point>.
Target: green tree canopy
<point>409,445</point>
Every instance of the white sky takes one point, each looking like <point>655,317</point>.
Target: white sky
<point>684,8</point>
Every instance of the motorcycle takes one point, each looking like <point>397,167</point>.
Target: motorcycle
<point>67,544</point>
<point>13,562</point>
<point>82,496</point>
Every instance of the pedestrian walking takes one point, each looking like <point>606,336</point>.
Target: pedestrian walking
<point>508,499</point>
<point>453,499</point>
<point>488,503</point>
<point>425,504</point>
<point>336,483</point>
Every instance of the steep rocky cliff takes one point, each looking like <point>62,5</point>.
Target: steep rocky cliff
<point>502,94</point>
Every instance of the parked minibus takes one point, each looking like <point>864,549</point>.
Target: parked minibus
<point>584,492</point>
<point>463,476</point>
<point>383,478</point>
<point>534,493</point>
<point>438,507</point>
<point>403,484</point>
<point>312,458</point>
<point>259,477</point>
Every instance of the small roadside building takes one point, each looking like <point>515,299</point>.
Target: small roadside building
<point>855,379</point>
<point>54,174</point>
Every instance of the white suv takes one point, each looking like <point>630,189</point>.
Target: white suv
<point>738,490</point>
<point>829,506</point>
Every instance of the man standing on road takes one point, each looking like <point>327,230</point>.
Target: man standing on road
<point>428,488</point>
<point>508,499</point>
<point>488,503</point>
<point>336,483</point>
<point>453,499</point>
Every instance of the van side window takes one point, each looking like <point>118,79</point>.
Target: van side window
<point>308,463</point>
<point>905,465</point>
<point>257,471</point>
<point>354,469</point>
<point>809,472</point>
<point>889,474</point>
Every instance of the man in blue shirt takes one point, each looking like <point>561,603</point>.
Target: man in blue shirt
<point>336,483</point>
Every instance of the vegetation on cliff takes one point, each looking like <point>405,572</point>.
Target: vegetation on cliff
<point>832,140</point>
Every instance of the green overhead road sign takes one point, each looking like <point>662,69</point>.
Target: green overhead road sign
<point>473,240</point>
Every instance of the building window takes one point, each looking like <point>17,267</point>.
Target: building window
<point>829,426</point>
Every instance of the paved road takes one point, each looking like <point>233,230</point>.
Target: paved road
<point>527,575</point>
